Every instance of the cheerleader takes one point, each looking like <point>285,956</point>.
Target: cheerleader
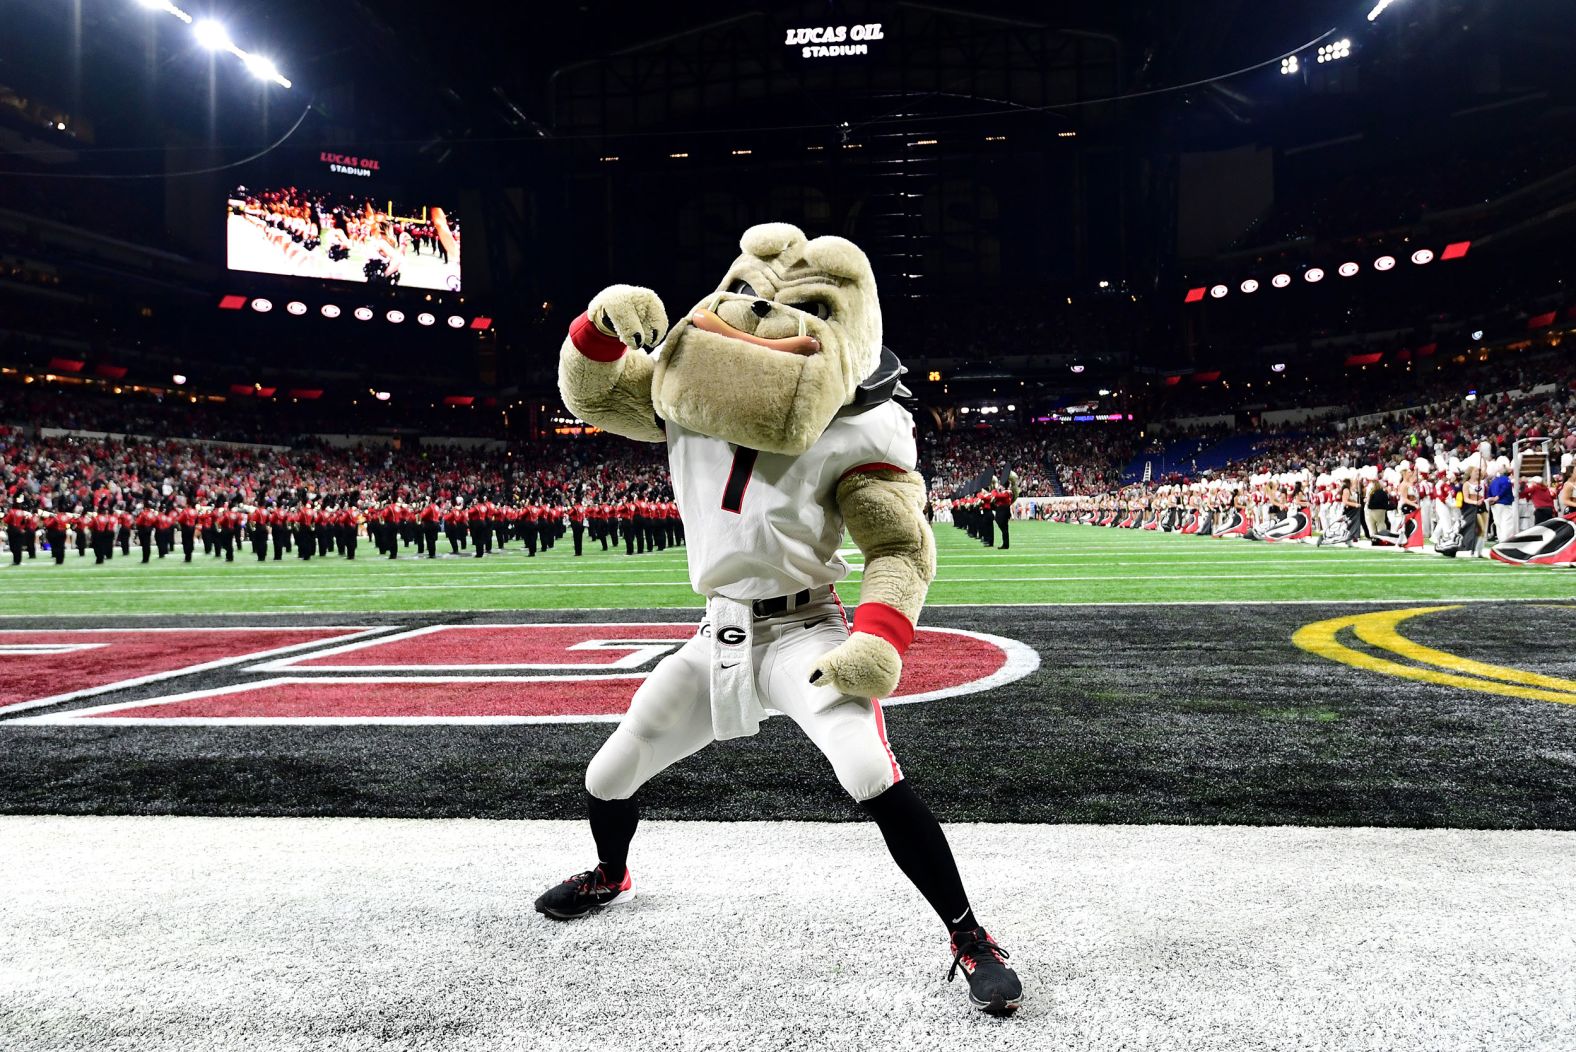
<point>382,266</point>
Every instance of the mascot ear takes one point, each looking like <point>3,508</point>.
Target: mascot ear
<point>770,240</point>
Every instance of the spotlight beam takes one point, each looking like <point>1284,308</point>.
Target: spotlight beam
<point>213,36</point>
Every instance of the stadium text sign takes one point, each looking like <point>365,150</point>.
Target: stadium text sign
<point>349,164</point>
<point>830,41</point>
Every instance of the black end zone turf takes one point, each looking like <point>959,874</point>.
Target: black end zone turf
<point>1137,714</point>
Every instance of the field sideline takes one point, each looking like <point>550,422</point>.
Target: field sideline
<point>1047,564</point>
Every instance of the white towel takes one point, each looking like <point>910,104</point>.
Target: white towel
<point>736,710</point>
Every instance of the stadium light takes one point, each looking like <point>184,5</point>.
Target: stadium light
<point>1384,263</point>
<point>1278,367</point>
<point>262,306</point>
<point>296,307</point>
<point>1280,281</point>
<point>1348,269</point>
<point>1334,52</point>
<point>1250,285</point>
<point>212,35</point>
<point>456,322</point>
<point>1477,334</point>
<point>1288,65</point>
<point>395,316</point>
<point>363,313</point>
<point>1379,9</point>
<point>1078,368</point>
<point>328,310</point>
<point>1219,292</point>
<point>261,68</point>
<point>1313,274</point>
<point>1423,255</point>
<point>382,396</point>
<point>425,318</point>
<point>178,379</point>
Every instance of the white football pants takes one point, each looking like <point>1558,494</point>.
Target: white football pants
<point>670,716</point>
<point>1504,521</point>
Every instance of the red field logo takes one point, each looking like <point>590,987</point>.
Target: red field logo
<point>512,673</point>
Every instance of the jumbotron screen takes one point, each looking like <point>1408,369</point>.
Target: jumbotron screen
<point>343,237</point>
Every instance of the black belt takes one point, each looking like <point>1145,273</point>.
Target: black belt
<point>780,604</point>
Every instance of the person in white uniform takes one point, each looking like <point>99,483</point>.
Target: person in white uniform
<point>774,400</point>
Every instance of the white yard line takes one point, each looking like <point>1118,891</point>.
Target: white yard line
<point>697,608</point>
<point>944,578</point>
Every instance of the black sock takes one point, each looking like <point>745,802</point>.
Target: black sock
<point>920,849</point>
<point>613,827</point>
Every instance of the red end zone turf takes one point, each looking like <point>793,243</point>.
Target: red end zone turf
<point>941,663</point>
<point>61,663</point>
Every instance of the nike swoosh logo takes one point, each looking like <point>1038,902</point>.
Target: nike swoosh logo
<point>734,665</point>
<point>960,916</point>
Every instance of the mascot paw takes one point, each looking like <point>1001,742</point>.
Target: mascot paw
<point>630,313</point>
<point>865,666</point>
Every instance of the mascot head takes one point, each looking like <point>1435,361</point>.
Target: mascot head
<point>768,359</point>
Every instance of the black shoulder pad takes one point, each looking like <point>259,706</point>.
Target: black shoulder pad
<point>883,384</point>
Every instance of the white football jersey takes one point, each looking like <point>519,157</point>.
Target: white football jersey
<point>760,525</point>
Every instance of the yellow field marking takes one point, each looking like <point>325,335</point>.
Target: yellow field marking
<point>1378,628</point>
<point>1382,634</point>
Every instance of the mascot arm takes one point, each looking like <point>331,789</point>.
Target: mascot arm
<point>884,513</point>
<point>600,381</point>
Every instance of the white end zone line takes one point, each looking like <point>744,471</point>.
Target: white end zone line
<point>290,665</point>
<point>206,666</point>
<point>1022,659</point>
<point>46,649</point>
<point>87,715</point>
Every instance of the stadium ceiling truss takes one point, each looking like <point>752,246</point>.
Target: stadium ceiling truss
<point>741,66</point>
<point>887,124</point>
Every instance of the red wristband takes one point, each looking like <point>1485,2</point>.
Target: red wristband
<point>888,622</point>
<point>593,342</point>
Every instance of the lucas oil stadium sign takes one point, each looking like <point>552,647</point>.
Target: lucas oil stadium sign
<point>348,164</point>
<point>832,41</point>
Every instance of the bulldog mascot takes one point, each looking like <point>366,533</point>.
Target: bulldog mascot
<point>774,398</point>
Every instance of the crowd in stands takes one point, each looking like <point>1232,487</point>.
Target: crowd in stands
<point>271,421</point>
<point>1489,423</point>
<point>214,453</point>
<point>70,471</point>
<point>1048,459</point>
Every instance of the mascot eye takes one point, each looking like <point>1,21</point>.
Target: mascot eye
<point>742,288</point>
<point>820,308</point>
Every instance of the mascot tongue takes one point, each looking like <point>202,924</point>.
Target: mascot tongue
<point>706,321</point>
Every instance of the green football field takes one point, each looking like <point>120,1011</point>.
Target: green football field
<point>1050,564</point>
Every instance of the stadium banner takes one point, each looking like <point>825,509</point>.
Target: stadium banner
<point>1549,543</point>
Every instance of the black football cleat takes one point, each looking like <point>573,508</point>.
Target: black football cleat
<point>584,893</point>
<point>994,988</point>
